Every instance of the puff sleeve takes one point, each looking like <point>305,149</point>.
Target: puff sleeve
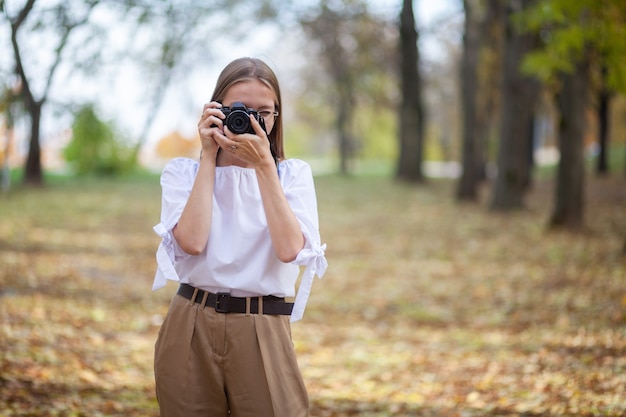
<point>176,183</point>
<point>300,192</point>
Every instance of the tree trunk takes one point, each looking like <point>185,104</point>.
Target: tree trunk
<point>344,122</point>
<point>468,183</point>
<point>519,94</point>
<point>412,109</point>
<point>604,114</point>
<point>572,100</point>
<point>327,28</point>
<point>491,51</point>
<point>530,150</point>
<point>33,173</point>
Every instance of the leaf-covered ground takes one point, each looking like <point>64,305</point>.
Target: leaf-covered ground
<point>428,308</point>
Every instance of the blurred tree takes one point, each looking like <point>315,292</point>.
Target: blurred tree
<point>177,33</point>
<point>180,32</point>
<point>95,148</point>
<point>573,102</point>
<point>579,38</point>
<point>62,20</point>
<point>354,51</point>
<point>480,84</point>
<point>604,110</point>
<point>412,111</point>
<point>519,96</point>
<point>468,183</point>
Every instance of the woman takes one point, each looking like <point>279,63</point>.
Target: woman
<point>235,227</point>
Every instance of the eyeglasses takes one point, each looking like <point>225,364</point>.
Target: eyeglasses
<point>267,115</point>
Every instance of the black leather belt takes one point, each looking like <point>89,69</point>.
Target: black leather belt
<point>223,302</point>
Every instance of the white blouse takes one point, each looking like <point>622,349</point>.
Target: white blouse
<point>239,257</point>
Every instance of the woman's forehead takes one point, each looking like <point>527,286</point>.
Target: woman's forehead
<point>253,93</point>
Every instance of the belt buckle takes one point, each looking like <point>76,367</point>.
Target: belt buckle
<point>222,297</point>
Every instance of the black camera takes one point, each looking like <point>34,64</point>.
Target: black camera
<point>238,118</point>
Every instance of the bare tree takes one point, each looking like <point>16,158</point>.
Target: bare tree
<point>67,20</point>
<point>353,50</point>
<point>183,27</point>
<point>329,27</point>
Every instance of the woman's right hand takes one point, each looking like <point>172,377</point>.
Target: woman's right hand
<point>211,123</point>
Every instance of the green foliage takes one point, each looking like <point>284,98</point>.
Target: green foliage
<point>94,148</point>
<point>571,29</point>
<point>376,128</point>
<point>299,140</point>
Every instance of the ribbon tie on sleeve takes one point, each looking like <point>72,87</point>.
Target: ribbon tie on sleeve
<point>316,264</point>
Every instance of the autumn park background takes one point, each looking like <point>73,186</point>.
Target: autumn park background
<point>470,166</point>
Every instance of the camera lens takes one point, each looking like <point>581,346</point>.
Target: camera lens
<point>238,122</point>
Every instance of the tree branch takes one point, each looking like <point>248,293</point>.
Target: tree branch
<point>69,27</point>
<point>19,67</point>
<point>23,14</point>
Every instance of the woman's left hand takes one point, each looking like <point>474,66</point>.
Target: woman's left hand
<point>254,148</point>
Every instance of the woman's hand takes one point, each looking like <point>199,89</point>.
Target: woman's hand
<point>253,148</point>
<point>211,126</point>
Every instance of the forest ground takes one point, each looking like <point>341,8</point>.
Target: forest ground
<point>429,307</point>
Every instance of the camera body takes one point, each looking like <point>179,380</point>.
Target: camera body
<point>238,118</point>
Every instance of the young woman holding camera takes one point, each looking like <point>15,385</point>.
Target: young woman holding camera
<point>235,228</point>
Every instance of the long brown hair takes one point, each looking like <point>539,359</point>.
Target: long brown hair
<point>244,69</point>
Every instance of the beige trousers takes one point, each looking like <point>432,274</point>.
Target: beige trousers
<point>212,364</point>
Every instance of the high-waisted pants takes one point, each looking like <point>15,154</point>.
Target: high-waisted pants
<point>210,364</point>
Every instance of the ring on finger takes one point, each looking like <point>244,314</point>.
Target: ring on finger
<point>233,147</point>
